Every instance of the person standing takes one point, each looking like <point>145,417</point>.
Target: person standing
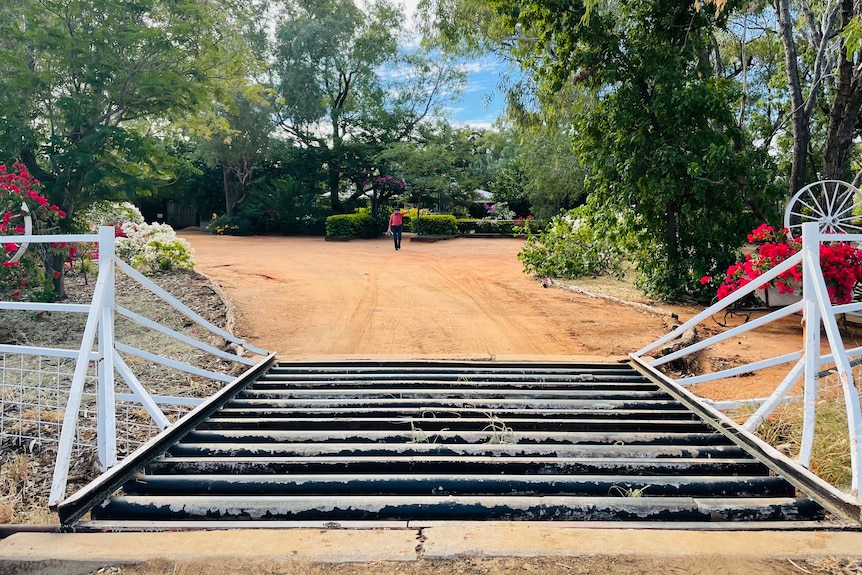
<point>396,226</point>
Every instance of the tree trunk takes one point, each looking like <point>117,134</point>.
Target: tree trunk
<point>799,117</point>
<point>844,111</point>
<point>334,165</point>
<point>230,194</point>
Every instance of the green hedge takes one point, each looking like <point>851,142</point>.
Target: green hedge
<point>466,227</point>
<point>501,227</point>
<point>349,226</point>
<point>437,225</point>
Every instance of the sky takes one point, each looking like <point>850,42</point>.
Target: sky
<point>480,101</point>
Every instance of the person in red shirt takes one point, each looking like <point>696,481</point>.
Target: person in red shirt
<point>396,226</point>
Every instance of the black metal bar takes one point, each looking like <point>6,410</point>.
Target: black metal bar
<point>458,412</point>
<point>545,508</point>
<point>466,393</point>
<point>432,404</point>
<point>466,449</point>
<point>515,424</point>
<point>488,484</point>
<point>427,463</point>
<point>445,436</point>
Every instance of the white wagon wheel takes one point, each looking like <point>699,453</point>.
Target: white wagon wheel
<point>28,230</point>
<point>836,206</point>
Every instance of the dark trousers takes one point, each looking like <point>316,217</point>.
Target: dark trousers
<point>396,236</point>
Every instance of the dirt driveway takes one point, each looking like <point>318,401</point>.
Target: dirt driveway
<point>305,297</point>
<point>453,299</point>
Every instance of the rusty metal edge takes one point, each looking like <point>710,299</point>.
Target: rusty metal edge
<point>71,509</point>
<point>827,495</point>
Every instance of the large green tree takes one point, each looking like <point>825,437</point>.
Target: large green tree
<point>239,141</point>
<point>668,167</point>
<point>85,82</point>
<point>345,86</point>
<point>85,86</point>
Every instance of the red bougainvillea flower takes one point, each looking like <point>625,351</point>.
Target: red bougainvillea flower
<point>840,262</point>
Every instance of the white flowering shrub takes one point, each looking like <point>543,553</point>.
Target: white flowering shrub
<point>499,211</point>
<point>153,247</point>
<point>107,213</point>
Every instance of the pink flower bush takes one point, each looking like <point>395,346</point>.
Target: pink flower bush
<point>840,262</point>
<point>23,278</point>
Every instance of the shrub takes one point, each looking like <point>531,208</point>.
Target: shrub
<point>282,206</point>
<point>569,248</point>
<point>359,225</point>
<point>437,225</point>
<point>467,226</point>
<point>22,275</point>
<point>107,213</point>
<point>153,248</point>
<point>224,225</point>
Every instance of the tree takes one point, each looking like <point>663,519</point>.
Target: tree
<point>239,141</point>
<point>820,75</point>
<point>669,172</point>
<point>84,82</point>
<point>345,87</point>
<point>441,168</point>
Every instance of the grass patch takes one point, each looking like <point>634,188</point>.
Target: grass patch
<point>830,454</point>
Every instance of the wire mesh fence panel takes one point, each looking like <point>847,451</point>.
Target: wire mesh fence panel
<point>34,391</point>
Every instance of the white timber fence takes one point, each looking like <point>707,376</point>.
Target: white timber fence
<point>40,383</point>
<point>809,364</point>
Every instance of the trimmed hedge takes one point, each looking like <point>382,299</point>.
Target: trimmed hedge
<point>498,227</point>
<point>350,226</point>
<point>437,225</point>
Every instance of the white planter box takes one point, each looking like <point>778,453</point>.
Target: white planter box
<point>772,297</point>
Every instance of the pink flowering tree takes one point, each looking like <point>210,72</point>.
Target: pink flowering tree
<point>22,273</point>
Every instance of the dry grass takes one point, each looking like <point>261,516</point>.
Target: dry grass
<point>830,455</point>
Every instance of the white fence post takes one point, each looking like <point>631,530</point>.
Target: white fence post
<point>76,393</point>
<point>811,342</point>
<point>811,267</point>
<point>106,403</point>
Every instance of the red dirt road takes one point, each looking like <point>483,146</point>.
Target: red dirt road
<point>453,299</point>
<point>463,298</point>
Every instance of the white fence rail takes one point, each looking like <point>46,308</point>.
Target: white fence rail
<point>808,363</point>
<point>80,383</point>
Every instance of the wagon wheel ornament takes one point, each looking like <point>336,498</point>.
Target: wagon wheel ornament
<point>28,230</point>
<point>836,206</point>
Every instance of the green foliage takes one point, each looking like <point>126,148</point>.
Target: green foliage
<point>349,226</point>
<point>107,213</point>
<point>518,226</point>
<point>437,225</point>
<point>83,81</point>
<point>153,248</point>
<point>225,225</point>
<point>22,274</point>
<point>239,141</point>
<point>672,179</point>
<point>283,206</point>
<point>467,226</point>
<point>570,247</point>
<point>336,95</point>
